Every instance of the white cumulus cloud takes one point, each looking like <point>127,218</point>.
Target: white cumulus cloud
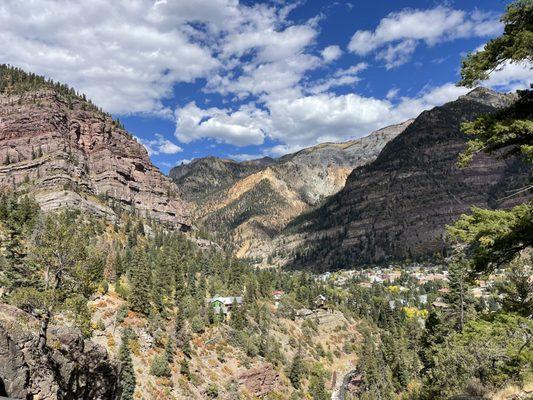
<point>331,53</point>
<point>159,145</point>
<point>398,34</point>
<point>242,127</point>
<point>306,120</point>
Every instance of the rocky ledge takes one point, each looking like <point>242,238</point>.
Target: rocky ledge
<point>73,369</point>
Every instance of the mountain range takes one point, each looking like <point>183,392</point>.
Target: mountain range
<point>250,203</point>
<point>387,195</point>
<point>196,322</point>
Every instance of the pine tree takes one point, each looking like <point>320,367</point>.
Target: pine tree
<point>517,287</point>
<point>238,318</point>
<point>160,366</point>
<point>317,388</point>
<point>514,45</point>
<point>184,368</point>
<point>59,269</point>
<point>162,280</point>
<point>297,369</point>
<point>458,297</point>
<point>179,287</point>
<point>127,375</point>
<point>182,334</point>
<point>169,352</point>
<point>377,376</point>
<point>139,277</point>
<point>495,237</point>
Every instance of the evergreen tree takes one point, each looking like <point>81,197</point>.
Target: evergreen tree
<point>238,318</point>
<point>169,352</point>
<point>184,368</point>
<point>182,334</point>
<point>458,297</point>
<point>517,287</point>
<point>514,45</point>
<point>162,279</point>
<point>494,238</point>
<point>127,375</point>
<point>376,374</point>
<point>57,268</point>
<point>160,366</point>
<point>179,287</point>
<point>297,369</point>
<point>139,278</point>
<point>18,216</point>
<point>317,388</point>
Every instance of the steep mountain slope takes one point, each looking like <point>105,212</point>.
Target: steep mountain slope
<point>398,205</point>
<point>249,203</point>
<point>60,147</point>
<point>204,177</point>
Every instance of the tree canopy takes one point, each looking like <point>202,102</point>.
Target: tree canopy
<point>514,45</point>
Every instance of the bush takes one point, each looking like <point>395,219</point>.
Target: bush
<point>212,391</point>
<point>160,366</point>
<point>100,325</point>
<point>103,288</point>
<point>122,313</point>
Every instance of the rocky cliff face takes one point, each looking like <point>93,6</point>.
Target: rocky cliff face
<point>250,203</point>
<point>67,153</point>
<point>204,178</point>
<point>74,368</point>
<point>398,206</point>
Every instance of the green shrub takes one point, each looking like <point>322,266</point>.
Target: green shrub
<point>160,366</point>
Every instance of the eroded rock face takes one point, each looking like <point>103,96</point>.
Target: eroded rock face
<point>398,206</point>
<point>74,368</point>
<point>260,381</point>
<point>70,154</point>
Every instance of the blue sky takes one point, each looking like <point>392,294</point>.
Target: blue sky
<point>191,78</point>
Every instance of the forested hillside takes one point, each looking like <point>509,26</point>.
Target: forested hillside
<point>144,295</point>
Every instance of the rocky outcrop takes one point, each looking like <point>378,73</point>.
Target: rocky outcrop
<point>73,369</point>
<point>68,153</point>
<point>260,381</point>
<point>397,207</point>
<point>250,203</point>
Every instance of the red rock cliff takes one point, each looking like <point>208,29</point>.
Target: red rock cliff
<point>68,153</point>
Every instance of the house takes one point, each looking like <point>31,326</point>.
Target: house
<point>277,294</point>
<point>375,279</point>
<point>324,277</point>
<point>304,313</point>
<point>320,301</point>
<point>224,304</point>
<point>439,304</point>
